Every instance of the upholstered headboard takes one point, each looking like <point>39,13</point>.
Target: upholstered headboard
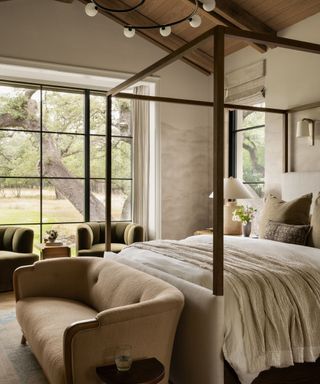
<point>295,184</point>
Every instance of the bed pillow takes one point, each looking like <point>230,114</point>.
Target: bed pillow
<point>287,233</point>
<point>314,237</point>
<point>288,212</point>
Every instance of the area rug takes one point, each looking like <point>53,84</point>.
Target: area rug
<point>17,363</point>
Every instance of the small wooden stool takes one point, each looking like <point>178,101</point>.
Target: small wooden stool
<point>146,371</point>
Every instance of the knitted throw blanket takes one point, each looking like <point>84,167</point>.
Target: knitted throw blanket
<point>279,301</point>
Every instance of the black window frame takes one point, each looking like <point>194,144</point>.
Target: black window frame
<point>86,134</point>
<point>232,158</point>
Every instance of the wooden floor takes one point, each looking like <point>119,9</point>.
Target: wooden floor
<point>7,301</point>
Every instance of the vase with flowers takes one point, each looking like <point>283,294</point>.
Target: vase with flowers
<point>245,214</point>
<point>52,235</point>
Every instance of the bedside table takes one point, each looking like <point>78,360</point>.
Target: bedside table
<point>145,371</point>
<point>206,231</point>
<point>52,251</point>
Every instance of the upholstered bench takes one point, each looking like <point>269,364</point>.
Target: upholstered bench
<point>74,313</point>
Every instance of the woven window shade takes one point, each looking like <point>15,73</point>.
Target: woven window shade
<point>246,85</point>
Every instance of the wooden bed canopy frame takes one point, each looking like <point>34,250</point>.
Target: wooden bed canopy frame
<point>219,34</point>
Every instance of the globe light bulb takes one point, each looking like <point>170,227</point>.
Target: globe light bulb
<point>209,5</point>
<point>91,10</point>
<point>165,31</point>
<point>129,32</point>
<point>195,21</point>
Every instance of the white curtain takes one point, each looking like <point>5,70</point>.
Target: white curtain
<point>140,115</point>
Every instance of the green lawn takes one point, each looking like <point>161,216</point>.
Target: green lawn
<point>26,209</point>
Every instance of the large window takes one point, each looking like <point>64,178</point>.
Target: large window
<point>52,158</point>
<point>247,148</point>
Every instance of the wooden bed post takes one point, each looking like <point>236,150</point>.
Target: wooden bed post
<point>108,172</point>
<point>286,142</point>
<point>218,161</point>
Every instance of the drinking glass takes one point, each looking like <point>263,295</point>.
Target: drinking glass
<point>123,357</point>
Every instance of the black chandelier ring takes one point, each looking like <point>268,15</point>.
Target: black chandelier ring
<point>93,6</point>
<point>167,24</point>
<point>106,9</point>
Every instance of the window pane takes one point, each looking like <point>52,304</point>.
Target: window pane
<point>19,201</point>
<point>19,153</point>
<point>257,188</point>
<point>247,119</point>
<point>62,111</point>
<point>63,200</point>
<point>250,159</point>
<point>121,117</point>
<point>66,234</point>
<point>121,158</point>
<point>20,106</point>
<point>97,114</point>
<point>63,155</point>
<point>97,200</point>
<point>97,156</point>
<point>121,200</point>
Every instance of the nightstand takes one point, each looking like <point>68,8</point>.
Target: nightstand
<point>206,231</point>
<point>52,251</point>
<point>145,371</point>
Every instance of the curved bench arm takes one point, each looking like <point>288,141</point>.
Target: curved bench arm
<point>92,343</point>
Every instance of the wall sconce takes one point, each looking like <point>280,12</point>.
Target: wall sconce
<point>305,128</point>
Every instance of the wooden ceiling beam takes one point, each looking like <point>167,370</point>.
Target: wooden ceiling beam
<point>241,17</point>
<point>225,15</point>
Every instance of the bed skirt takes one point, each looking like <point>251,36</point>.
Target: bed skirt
<point>306,373</point>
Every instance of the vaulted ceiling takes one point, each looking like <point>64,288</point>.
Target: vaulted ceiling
<point>267,16</point>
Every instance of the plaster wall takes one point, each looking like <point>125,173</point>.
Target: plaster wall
<point>54,32</point>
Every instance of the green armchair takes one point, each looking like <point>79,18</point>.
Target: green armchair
<point>16,246</point>
<point>91,237</point>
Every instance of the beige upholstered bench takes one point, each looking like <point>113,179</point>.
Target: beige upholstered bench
<point>74,313</point>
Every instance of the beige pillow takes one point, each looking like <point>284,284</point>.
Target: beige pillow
<point>314,237</point>
<point>288,212</point>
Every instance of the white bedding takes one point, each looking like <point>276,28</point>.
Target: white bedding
<point>202,277</point>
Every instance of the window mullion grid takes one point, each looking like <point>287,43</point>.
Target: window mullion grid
<point>41,165</point>
<point>87,155</point>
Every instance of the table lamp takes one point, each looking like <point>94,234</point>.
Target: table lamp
<point>233,189</point>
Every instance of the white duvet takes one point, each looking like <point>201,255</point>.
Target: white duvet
<point>233,321</point>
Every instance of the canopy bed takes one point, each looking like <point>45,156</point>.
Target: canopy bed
<point>197,356</point>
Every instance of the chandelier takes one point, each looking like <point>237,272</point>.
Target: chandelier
<point>93,7</point>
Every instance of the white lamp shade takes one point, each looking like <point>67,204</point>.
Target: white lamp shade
<point>129,32</point>
<point>195,21</point>
<point>91,9</point>
<point>209,5</point>
<point>234,189</point>
<point>165,31</point>
<point>303,128</point>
